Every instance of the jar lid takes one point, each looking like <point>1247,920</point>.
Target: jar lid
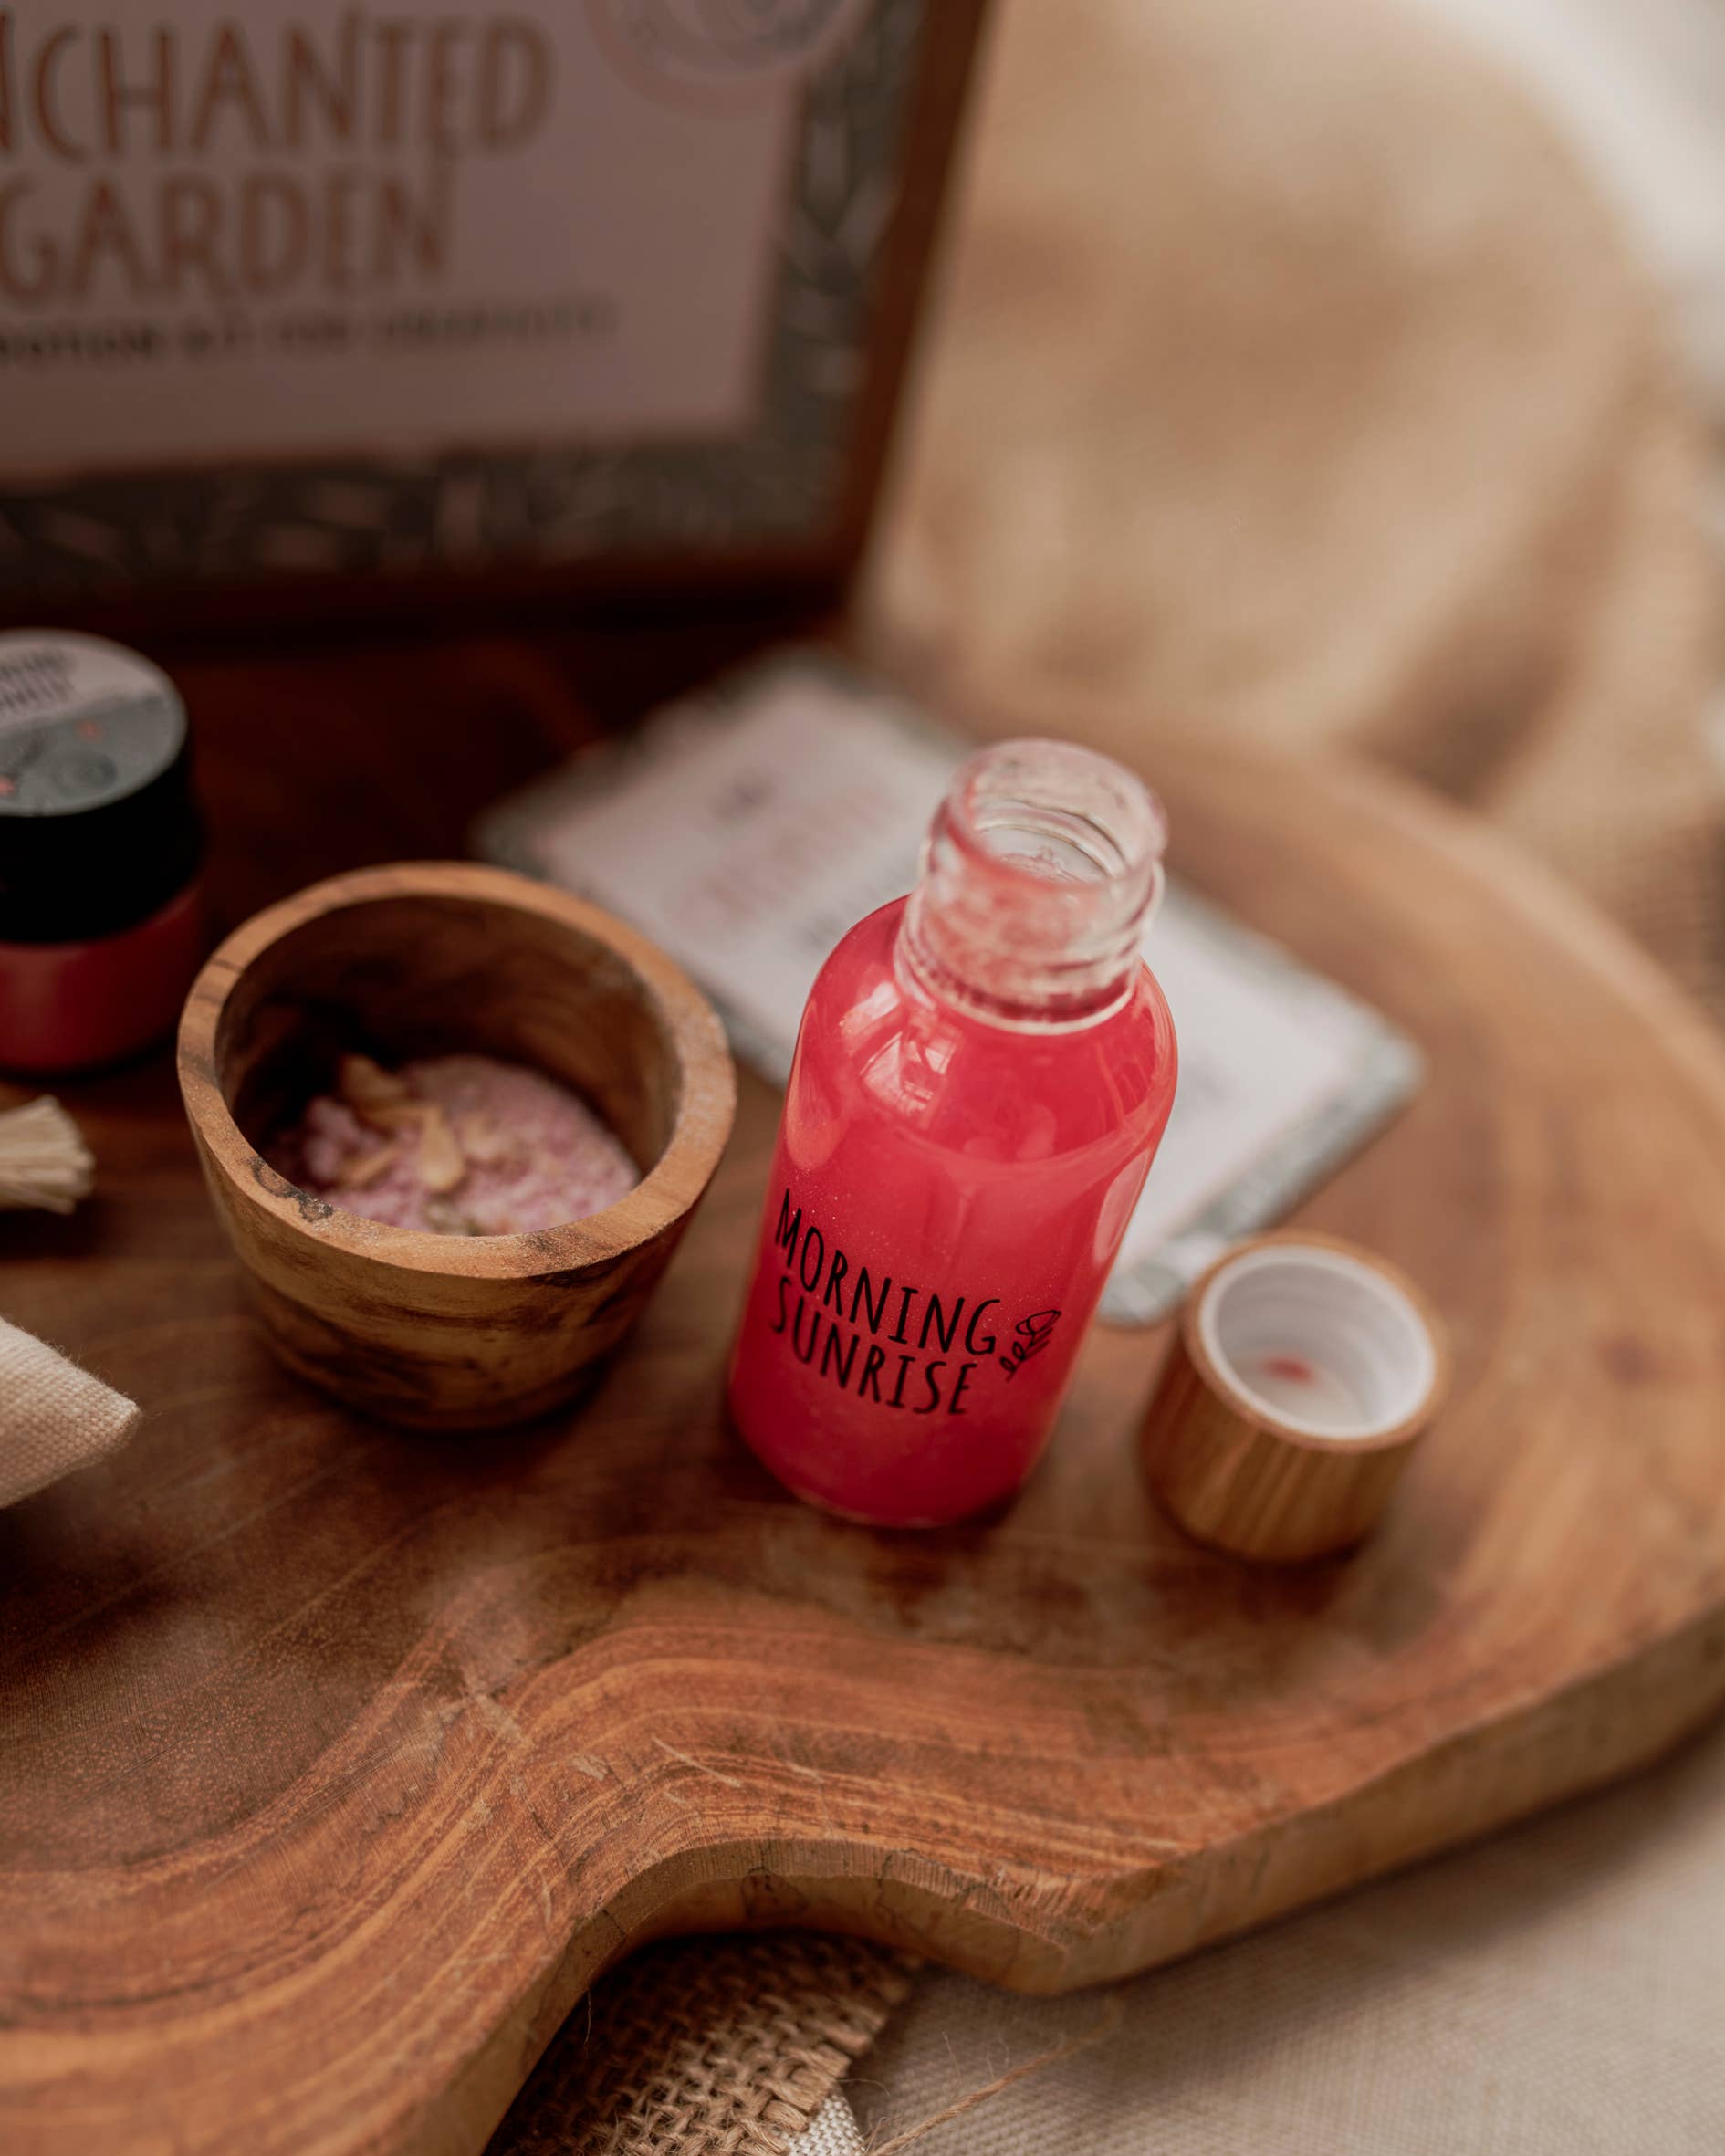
<point>1305,1372</point>
<point>98,825</point>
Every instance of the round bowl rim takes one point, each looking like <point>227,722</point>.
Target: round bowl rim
<point>665,1194</point>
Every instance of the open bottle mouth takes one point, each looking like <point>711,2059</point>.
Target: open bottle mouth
<point>1040,871</point>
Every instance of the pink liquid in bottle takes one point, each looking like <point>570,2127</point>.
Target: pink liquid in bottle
<point>982,1076</point>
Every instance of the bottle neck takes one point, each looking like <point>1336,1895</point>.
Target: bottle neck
<point>1039,873</point>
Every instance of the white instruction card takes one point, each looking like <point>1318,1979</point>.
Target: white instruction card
<point>745,829</point>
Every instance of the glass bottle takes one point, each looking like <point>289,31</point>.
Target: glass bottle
<point>982,1075</point>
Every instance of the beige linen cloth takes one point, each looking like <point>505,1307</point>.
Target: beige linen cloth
<point>54,1417</point>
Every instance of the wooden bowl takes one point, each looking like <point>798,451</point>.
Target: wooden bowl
<point>430,959</point>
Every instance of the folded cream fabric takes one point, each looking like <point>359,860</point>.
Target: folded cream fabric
<point>54,1417</point>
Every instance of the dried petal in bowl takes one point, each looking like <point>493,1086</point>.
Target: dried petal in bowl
<point>477,1146</point>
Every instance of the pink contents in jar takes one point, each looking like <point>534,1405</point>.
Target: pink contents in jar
<point>458,1145</point>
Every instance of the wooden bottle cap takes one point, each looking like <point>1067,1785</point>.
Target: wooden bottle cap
<point>1303,1374</point>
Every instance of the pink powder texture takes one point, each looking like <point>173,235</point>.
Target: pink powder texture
<point>535,1156</point>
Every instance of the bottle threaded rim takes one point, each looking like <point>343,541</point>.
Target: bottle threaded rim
<point>1039,872</point>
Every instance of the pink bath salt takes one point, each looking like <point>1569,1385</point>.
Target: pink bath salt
<point>331,1135</point>
<point>534,1154</point>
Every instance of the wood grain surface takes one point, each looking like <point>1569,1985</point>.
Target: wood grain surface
<point>335,1761</point>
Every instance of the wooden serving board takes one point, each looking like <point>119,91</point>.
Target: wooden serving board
<point>337,1761</point>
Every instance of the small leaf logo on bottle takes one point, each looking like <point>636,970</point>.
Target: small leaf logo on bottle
<point>1033,1334</point>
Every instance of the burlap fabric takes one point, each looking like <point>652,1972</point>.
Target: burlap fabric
<point>1288,380</point>
<point>726,2047</point>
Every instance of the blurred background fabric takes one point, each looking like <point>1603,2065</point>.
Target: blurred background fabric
<point>1293,375</point>
<point>1638,86</point>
